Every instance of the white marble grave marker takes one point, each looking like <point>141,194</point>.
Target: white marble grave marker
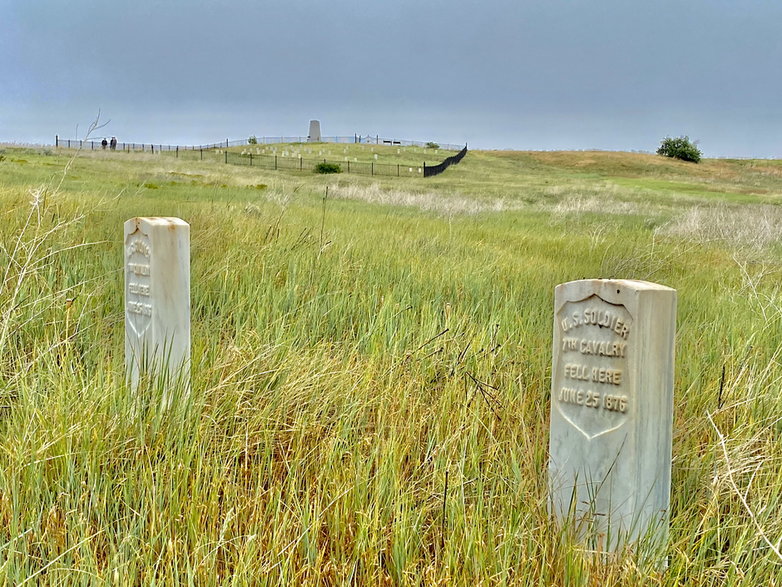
<point>612,410</point>
<point>157,298</point>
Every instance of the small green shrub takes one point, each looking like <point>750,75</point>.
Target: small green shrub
<point>328,168</point>
<point>680,148</point>
<point>432,145</point>
<point>253,140</point>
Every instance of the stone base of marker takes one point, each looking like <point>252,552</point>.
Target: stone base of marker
<point>157,302</point>
<point>612,411</point>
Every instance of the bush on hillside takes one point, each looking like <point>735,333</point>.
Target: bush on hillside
<point>252,140</point>
<point>432,145</point>
<point>328,168</point>
<point>680,148</point>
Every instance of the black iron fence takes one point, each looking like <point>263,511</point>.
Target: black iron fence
<point>221,152</point>
<point>152,147</point>
<point>278,162</point>
<point>430,170</point>
<point>95,145</point>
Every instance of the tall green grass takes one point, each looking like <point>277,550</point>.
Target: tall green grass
<point>370,387</point>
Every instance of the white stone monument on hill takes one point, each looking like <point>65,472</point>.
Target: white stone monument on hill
<point>612,411</point>
<point>314,134</point>
<point>157,300</point>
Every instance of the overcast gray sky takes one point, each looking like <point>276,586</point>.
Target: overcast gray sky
<point>543,74</point>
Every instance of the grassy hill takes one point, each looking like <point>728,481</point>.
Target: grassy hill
<point>354,351</point>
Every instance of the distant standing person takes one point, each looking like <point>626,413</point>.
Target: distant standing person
<point>113,143</point>
<point>104,142</point>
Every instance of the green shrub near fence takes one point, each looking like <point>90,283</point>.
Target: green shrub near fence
<point>327,168</point>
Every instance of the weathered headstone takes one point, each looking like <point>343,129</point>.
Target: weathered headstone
<point>157,299</point>
<point>314,134</point>
<point>612,410</point>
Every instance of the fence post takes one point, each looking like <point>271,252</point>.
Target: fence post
<point>275,162</point>
<point>348,166</point>
<point>92,145</point>
<point>177,151</point>
<point>397,169</point>
<point>226,143</point>
<point>424,169</point>
<point>81,144</point>
<point>202,154</point>
<point>372,169</point>
<point>251,159</point>
<point>152,147</point>
<point>56,140</point>
<point>226,156</point>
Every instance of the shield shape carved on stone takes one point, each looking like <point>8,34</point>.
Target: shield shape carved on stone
<point>138,300</point>
<point>593,390</point>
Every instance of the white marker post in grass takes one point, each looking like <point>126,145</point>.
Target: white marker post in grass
<point>157,300</point>
<point>612,411</point>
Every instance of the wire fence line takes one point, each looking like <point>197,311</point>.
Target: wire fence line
<point>342,140</point>
<point>221,152</point>
<point>277,162</point>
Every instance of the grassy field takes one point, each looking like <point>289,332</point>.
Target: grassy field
<point>371,369</point>
<point>343,154</point>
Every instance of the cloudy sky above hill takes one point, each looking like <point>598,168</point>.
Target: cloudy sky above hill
<point>543,74</point>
